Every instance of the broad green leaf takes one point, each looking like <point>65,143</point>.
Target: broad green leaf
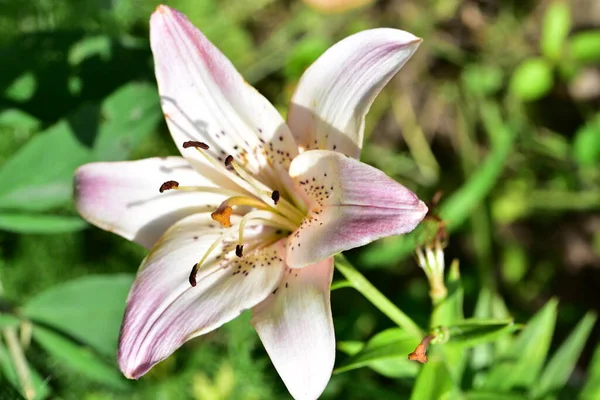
<point>555,29</point>
<point>532,79</point>
<point>591,389</point>
<point>78,358</point>
<point>584,47</point>
<point>524,360</point>
<point>387,353</point>
<point>8,320</point>
<point>40,223</point>
<point>7,369</point>
<point>39,176</point>
<point>474,331</point>
<point>456,209</point>
<point>90,309</point>
<point>434,381</point>
<point>130,115</point>
<point>562,363</point>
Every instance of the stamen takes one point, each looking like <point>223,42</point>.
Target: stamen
<point>228,160</point>
<point>193,274</point>
<point>239,250</point>
<point>223,215</point>
<point>195,144</point>
<point>275,196</point>
<point>168,185</point>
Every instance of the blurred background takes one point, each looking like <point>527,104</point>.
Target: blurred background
<point>498,110</point>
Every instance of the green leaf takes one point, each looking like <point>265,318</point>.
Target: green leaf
<point>7,320</point>
<point>478,395</point>
<point>387,353</point>
<point>22,88</point>
<point>532,79</point>
<point>39,176</point>
<point>40,223</point>
<point>303,54</point>
<point>90,309</point>
<point>78,358</point>
<point>130,115</point>
<point>525,358</point>
<point>474,331</point>
<point>89,47</point>
<point>584,47</point>
<point>434,381</point>
<point>591,389</point>
<point>586,145</point>
<point>561,365</point>
<point>18,119</point>
<point>555,29</point>
<point>7,369</point>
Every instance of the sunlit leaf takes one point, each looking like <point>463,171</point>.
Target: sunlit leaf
<point>591,390</point>
<point>555,29</point>
<point>388,352</point>
<point>474,331</point>
<point>434,381</point>
<point>90,309</point>
<point>7,320</point>
<point>532,79</point>
<point>584,47</point>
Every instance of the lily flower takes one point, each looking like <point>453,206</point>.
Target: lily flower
<point>252,214</point>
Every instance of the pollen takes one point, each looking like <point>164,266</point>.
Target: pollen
<point>223,216</point>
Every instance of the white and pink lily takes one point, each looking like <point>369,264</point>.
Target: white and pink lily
<point>254,211</point>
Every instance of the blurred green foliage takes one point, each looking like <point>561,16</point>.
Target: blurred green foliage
<point>498,110</point>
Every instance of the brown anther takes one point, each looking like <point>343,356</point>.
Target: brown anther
<point>222,216</point>
<point>196,144</point>
<point>193,275</point>
<point>168,185</point>
<point>420,353</point>
<point>275,196</point>
<point>228,160</point>
<point>239,250</point>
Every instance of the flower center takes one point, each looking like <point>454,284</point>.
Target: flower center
<point>278,208</point>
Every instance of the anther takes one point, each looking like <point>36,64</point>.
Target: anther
<point>195,143</point>
<point>228,160</point>
<point>275,196</point>
<point>239,250</point>
<point>420,353</point>
<point>168,185</point>
<point>193,274</point>
<point>222,216</point>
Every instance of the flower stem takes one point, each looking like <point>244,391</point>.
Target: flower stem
<point>16,353</point>
<point>383,304</point>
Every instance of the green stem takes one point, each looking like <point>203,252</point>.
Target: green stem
<point>383,304</point>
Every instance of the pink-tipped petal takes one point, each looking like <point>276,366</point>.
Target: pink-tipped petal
<point>296,328</point>
<point>204,98</point>
<point>164,311</point>
<point>328,108</point>
<point>123,197</point>
<point>351,204</point>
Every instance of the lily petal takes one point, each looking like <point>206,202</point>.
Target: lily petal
<point>163,311</point>
<point>205,99</point>
<point>296,328</point>
<point>351,204</point>
<point>333,96</point>
<point>123,197</point>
